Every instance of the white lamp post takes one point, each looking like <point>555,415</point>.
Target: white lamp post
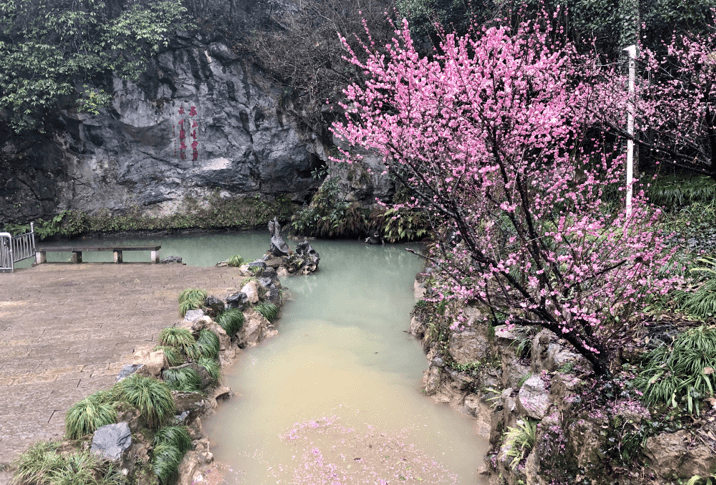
<point>631,50</point>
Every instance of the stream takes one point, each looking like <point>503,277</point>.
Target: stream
<point>336,397</point>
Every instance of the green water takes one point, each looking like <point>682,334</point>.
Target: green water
<point>335,398</point>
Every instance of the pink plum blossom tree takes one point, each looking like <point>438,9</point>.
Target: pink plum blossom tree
<point>491,135</point>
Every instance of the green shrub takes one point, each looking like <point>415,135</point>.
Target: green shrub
<point>683,373</point>
<point>194,294</point>
<point>268,310</point>
<point>151,397</point>
<point>212,368</point>
<point>520,441</point>
<point>174,357</point>
<point>179,338</point>
<point>191,299</point>
<point>189,305</point>
<point>176,436</point>
<point>701,303</point>
<point>184,379</point>
<point>41,464</point>
<point>207,345</point>
<point>235,261</point>
<point>85,416</point>
<point>35,465</point>
<point>678,190</point>
<point>165,462</point>
<point>231,321</point>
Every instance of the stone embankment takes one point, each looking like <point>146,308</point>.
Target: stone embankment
<point>527,382</point>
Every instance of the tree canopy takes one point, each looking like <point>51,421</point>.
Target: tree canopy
<point>55,50</point>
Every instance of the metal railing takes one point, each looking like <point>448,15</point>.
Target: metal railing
<point>15,249</point>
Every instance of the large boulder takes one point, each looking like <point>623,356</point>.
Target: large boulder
<point>680,455</point>
<point>533,397</point>
<point>189,405</point>
<point>467,347</point>
<point>112,441</point>
<point>256,328</point>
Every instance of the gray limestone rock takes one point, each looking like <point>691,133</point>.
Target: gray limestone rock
<point>193,315</point>
<point>112,440</point>
<point>128,370</point>
<point>534,397</point>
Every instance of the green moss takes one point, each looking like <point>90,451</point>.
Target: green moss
<point>212,212</point>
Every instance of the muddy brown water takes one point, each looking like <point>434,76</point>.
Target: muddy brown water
<point>336,397</point>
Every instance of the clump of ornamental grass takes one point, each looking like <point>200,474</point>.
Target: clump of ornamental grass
<point>170,445</point>
<point>701,303</point>
<point>268,310</point>
<point>673,191</point>
<point>191,299</point>
<point>212,368</point>
<point>231,321</point>
<point>235,261</point>
<point>151,397</point>
<point>165,462</point>
<point>176,436</point>
<point>184,379</point>
<point>681,374</point>
<point>195,294</point>
<point>207,345</point>
<point>41,464</point>
<point>520,441</point>
<point>173,355</point>
<point>86,415</point>
<point>179,338</point>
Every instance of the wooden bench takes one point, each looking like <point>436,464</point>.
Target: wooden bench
<point>41,253</point>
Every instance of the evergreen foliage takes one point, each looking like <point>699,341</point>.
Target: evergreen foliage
<point>85,416</point>
<point>207,345</point>
<point>268,310</point>
<point>176,337</point>
<point>151,397</point>
<point>184,379</point>
<point>231,321</point>
<point>52,51</point>
<point>212,368</point>
<point>174,357</point>
<point>681,375</point>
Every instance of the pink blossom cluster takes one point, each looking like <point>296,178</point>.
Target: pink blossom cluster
<point>490,134</point>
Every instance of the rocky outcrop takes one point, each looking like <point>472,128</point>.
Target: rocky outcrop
<point>584,430</point>
<point>199,120</point>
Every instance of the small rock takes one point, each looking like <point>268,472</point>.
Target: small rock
<point>251,290</point>
<point>193,315</point>
<point>172,259</point>
<point>153,362</point>
<point>222,393</point>
<point>214,306</point>
<point>431,380</point>
<point>112,440</point>
<point>237,300</point>
<point>191,404</point>
<point>128,370</point>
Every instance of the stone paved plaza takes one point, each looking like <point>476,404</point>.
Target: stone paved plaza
<point>66,329</point>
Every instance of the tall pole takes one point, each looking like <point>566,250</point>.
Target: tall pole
<point>630,128</point>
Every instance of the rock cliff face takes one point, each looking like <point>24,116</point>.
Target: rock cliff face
<point>198,120</point>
